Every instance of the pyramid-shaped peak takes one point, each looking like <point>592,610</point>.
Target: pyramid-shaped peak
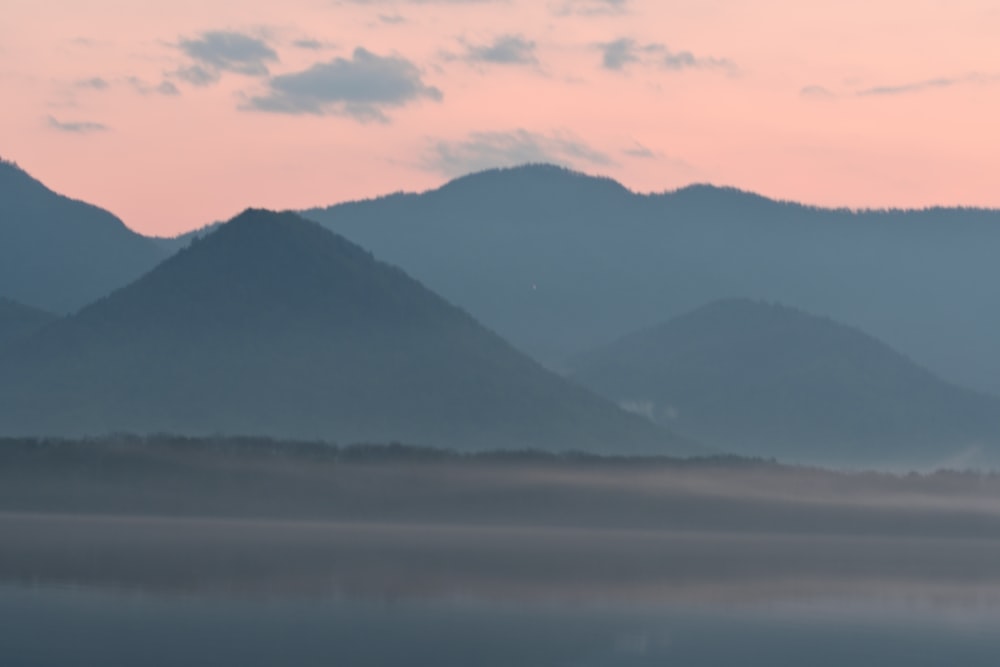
<point>272,325</point>
<point>270,232</point>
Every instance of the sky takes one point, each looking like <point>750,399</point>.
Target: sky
<point>176,113</point>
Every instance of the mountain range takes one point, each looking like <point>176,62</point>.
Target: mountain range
<point>559,262</point>
<point>763,379</point>
<point>272,325</point>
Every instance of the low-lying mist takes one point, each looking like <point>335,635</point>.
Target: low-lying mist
<point>255,516</point>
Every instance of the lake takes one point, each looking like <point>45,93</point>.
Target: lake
<point>116,591</point>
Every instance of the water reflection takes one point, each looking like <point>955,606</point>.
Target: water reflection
<point>50,626</point>
<point>110,591</point>
<point>312,562</point>
<point>283,558</point>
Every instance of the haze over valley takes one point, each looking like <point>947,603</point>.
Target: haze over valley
<point>576,333</point>
<point>266,408</point>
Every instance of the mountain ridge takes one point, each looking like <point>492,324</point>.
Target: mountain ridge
<point>558,276</point>
<point>762,378</point>
<point>59,253</point>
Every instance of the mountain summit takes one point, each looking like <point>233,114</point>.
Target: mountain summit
<point>559,262</point>
<point>272,325</point>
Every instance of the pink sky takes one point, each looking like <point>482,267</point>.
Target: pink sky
<point>849,103</point>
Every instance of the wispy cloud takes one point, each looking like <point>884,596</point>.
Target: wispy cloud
<point>640,151</point>
<point>421,2</point>
<point>504,50</point>
<point>687,60</point>
<point>94,83</point>
<point>167,88</point>
<point>817,92</point>
<point>589,7</point>
<point>310,44</point>
<point>75,127</point>
<point>220,51</point>
<point>929,84</point>
<point>485,150</point>
<point>361,87</point>
<point>618,54</point>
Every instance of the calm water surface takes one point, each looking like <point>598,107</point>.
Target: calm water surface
<point>127,591</point>
<point>77,626</point>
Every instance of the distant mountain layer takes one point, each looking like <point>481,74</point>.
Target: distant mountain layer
<point>558,262</point>
<point>272,325</point>
<point>764,379</point>
<point>57,253</point>
<point>18,321</point>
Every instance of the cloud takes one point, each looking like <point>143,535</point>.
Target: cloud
<point>486,150</point>
<point>817,93</point>
<point>137,84</point>
<point>928,84</point>
<point>197,75</point>
<point>392,19</point>
<point>621,52</point>
<point>617,54</point>
<point>94,83</point>
<point>687,60</point>
<point>422,2</point>
<point>220,51</point>
<point>167,88</point>
<point>360,87</point>
<point>311,44</point>
<point>505,50</point>
<point>77,127</point>
<point>589,7</point>
<point>640,151</point>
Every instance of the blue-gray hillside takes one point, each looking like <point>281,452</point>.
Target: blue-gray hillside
<point>18,321</point>
<point>764,379</point>
<point>59,254</point>
<point>272,325</point>
<point>558,262</point>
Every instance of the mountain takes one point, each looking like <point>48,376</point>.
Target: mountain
<point>57,253</point>
<point>764,379</point>
<point>18,321</point>
<point>272,325</point>
<point>558,262</point>
<point>171,244</point>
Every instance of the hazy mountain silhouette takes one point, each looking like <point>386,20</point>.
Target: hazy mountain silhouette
<point>171,244</point>
<point>273,325</point>
<point>764,379</point>
<point>18,321</point>
<point>57,253</point>
<point>558,262</point>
